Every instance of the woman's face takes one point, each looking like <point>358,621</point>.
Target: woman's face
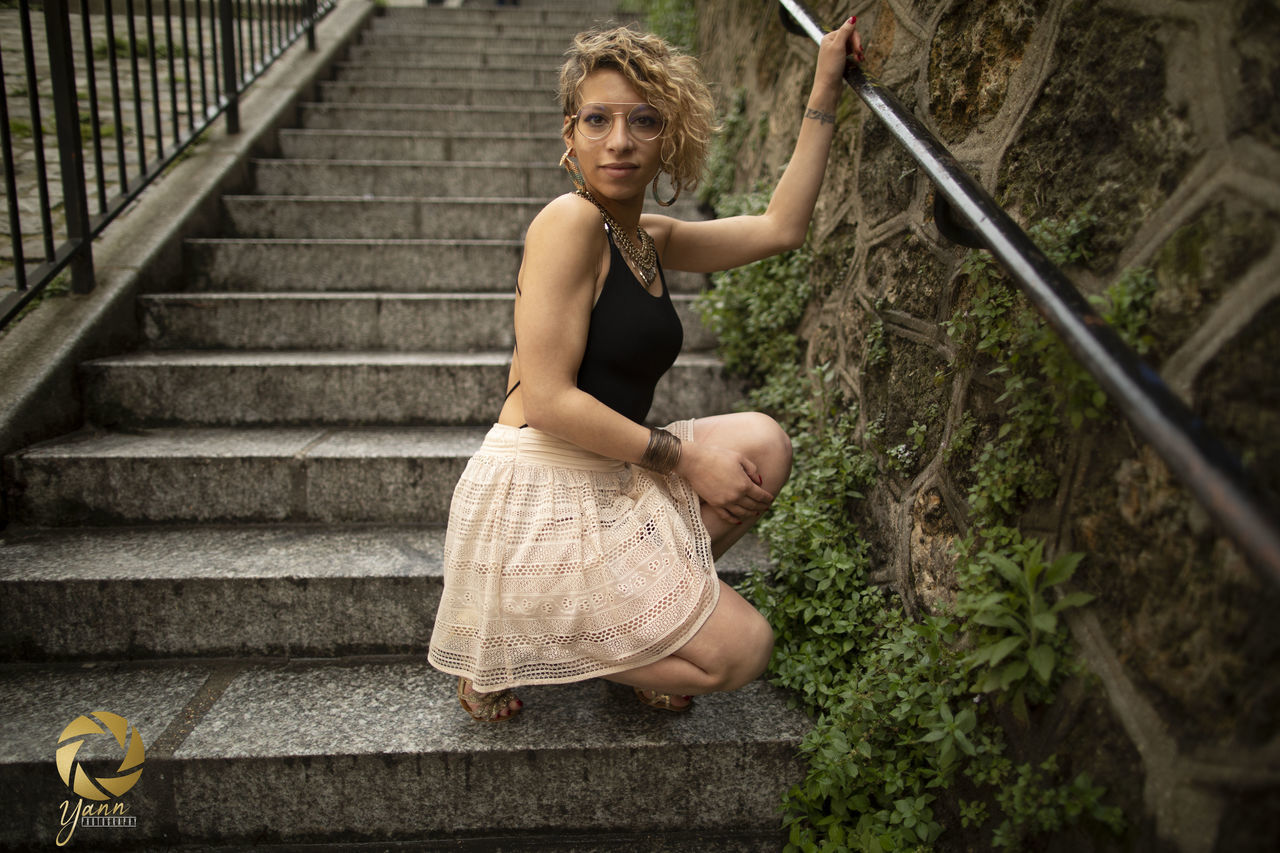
<point>621,163</point>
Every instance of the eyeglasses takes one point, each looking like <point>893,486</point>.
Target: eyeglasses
<point>595,121</point>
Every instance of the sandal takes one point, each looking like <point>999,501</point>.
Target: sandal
<point>486,707</point>
<point>662,701</point>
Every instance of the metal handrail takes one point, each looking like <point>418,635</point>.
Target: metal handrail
<point>1213,474</point>
<point>221,62</point>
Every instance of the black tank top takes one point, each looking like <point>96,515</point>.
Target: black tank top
<point>632,340</point>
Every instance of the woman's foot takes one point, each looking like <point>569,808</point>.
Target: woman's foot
<point>496,707</point>
<point>664,701</point>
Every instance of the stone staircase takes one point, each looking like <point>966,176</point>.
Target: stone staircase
<point>240,552</point>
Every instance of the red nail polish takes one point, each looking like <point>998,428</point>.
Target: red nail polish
<point>853,19</point>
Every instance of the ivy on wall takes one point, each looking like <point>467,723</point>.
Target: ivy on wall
<point>909,739</point>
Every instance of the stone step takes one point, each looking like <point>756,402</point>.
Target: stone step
<point>407,178</point>
<point>207,476</point>
<point>367,180</point>
<point>512,74</point>
<point>158,592</point>
<point>446,39</point>
<point>560,841</point>
<point>407,145</point>
<point>383,266</point>
<point>441,52</point>
<point>379,218</point>
<point>498,20</point>
<point>342,389</point>
<point>436,119</point>
<point>242,752</point>
<point>387,217</point>
<point>332,91</point>
<point>491,34</point>
<point>451,322</point>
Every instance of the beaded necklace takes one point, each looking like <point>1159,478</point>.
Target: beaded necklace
<point>643,259</point>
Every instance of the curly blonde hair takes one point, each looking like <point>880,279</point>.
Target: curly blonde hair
<point>671,81</point>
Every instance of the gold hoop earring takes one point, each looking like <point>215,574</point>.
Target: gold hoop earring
<point>662,203</point>
<point>575,173</point>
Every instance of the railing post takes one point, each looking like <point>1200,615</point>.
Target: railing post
<point>230,72</point>
<point>309,9</point>
<point>62,75</point>
<point>11,196</point>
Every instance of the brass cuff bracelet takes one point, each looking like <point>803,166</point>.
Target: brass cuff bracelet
<point>663,452</point>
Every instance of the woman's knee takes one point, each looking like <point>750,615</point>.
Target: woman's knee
<point>769,444</point>
<point>750,655</point>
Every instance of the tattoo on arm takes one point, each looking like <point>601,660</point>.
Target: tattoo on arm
<point>824,118</point>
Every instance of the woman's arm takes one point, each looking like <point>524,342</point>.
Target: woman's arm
<point>553,312</point>
<point>558,280</point>
<point>726,243</point>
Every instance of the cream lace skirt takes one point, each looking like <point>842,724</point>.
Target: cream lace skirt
<point>562,565</point>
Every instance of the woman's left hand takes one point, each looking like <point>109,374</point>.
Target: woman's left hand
<point>725,480</point>
<point>836,48</point>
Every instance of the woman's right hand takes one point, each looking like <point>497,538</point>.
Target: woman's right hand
<point>725,480</point>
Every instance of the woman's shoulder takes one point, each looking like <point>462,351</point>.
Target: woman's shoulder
<point>565,242</point>
<point>570,218</point>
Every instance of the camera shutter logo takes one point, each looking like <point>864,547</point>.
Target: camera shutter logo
<point>74,774</point>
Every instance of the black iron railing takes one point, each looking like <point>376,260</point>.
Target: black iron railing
<point>131,85</point>
<point>966,214</point>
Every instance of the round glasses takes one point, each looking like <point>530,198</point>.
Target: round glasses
<point>595,121</point>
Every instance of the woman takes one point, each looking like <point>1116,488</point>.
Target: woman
<point>581,543</point>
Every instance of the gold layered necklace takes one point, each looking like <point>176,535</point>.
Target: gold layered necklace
<point>644,259</point>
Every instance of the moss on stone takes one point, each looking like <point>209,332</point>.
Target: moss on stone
<point>1190,621</point>
<point>1203,260</point>
<point>886,174</point>
<point>908,276</point>
<point>1241,405</point>
<point>1102,132</point>
<point>1255,44</point>
<point>908,364</point>
<point>976,48</point>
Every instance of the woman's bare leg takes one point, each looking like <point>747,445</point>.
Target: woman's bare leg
<point>731,649</point>
<point>733,646</point>
<point>758,437</point>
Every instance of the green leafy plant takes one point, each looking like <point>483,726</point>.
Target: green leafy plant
<point>674,20</point>
<point>876,349</point>
<point>754,310</point>
<point>722,164</point>
<point>961,437</point>
<point>1044,386</point>
<point>901,704</point>
<point>1033,801</point>
<point>1009,600</point>
<point>918,434</point>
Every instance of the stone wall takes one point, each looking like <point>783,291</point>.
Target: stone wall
<point>1160,117</point>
